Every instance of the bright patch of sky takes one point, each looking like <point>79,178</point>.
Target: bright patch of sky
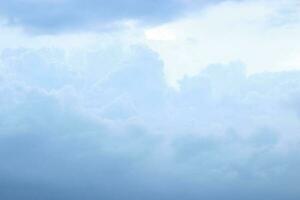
<point>263,35</point>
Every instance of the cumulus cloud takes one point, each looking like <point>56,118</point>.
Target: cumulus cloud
<point>261,34</point>
<point>81,124</point>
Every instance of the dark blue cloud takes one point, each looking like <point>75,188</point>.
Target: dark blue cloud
<point>54,16</point>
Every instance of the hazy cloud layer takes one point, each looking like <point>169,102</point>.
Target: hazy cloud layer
<point>90,126</point>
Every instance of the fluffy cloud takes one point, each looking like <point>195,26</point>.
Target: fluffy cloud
<point>81,124</point>
<point>261,34</point>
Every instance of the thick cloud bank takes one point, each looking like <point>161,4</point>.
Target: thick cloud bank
<point>104,125</point>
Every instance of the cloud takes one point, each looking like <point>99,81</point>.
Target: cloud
<point>81,124</point>
<point>261,34</point>
<point>56,16</point>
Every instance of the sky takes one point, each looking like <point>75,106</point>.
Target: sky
<point>149,99</point>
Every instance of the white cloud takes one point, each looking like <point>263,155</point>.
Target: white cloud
<point>264,35</point>
<point>160,34</point>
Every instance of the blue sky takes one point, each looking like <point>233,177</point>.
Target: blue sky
<point>175,99</point>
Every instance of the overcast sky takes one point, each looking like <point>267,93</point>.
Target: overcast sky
<point>149,99</point>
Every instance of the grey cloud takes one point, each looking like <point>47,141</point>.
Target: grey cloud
<point>98,132</point>
<point>55,16</point>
